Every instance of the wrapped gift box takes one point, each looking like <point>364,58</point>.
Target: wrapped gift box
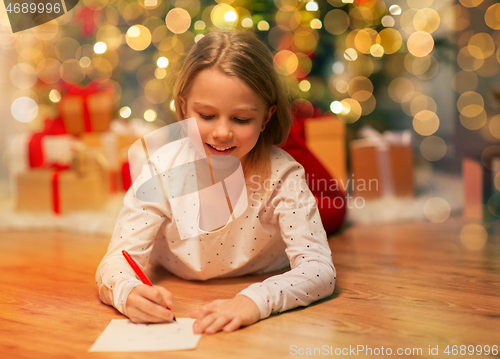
<point>115,145</point>
<point>382,165</point>
<point>325,138</point>
<point>87,110</point>
<point>83,186</point>
<point>114,148</point>
<point>481,184</point>
<point>22,155</point>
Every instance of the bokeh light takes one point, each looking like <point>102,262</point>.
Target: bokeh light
<point>160,73</point>
<point>362,66</point>
<point>470,3</point>
<point>481,45</point>
<point>474,236</point>
<point>304,85</point>
<point>178,20</point>
<point>336,22</point>
<point>49,70</point>
<point>489,68</point>
<point>376,50</point>
<point>336,107</point>
<point>388,21</point>
<point>437,210</point>
<point>467,62</point>
<point>54,96</point>
<point>110,35</point>
<point>368,105</point>
<point>350,54</point>
<point>422,102</point>
<point>470,104</point>
<point>420,44</point>
<point>492,16</point>
<point>138,37</point>
<point>360,88</point>
<point>85,61</point>
<point>156,91</point>
<point>162,62</point>
<point>73,71</point>
<point>425,123</point>
<point>150,115</point>
<point>223,16</point>
<point>395,10</point>
<point>286,61</point>
<point>417,65</point>
<point>24,109</point>
<point>494,126</point>
<point>312,6</point>
<point>101,70</point>
<point>433,148</point>
<point>426,20</point>
<point>399,88</point>
<point>351,110</point>
<point>247,22</point>
<point>316,24</point>
<point>125,112</point>
<point>23,76</point>
<point>100,47</point>
<point>288,20</point>
<point>390,39</point>
<point>263,25</point>
<point>364,39</point>
<point>474,122</point>
<point>304,65</point>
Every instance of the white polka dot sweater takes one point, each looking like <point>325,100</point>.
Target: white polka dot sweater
<point>281,227</point>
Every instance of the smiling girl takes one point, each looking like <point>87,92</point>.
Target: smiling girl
<point>229,85</point>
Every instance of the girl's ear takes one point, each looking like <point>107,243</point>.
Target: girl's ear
<point>269,114</point>
<point>182,102</point>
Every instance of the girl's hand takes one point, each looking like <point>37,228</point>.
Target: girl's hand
<point>146,304</point>
<point>225,314</point>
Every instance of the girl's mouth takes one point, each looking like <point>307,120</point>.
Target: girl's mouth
<point>220,150</point>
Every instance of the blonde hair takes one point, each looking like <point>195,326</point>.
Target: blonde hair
<point>240,53</point>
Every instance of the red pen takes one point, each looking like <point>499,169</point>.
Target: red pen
<point>138,271</point>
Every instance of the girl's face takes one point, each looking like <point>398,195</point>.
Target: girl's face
<point>229,114</point>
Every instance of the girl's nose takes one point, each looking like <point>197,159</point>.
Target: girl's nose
<point>223,130</point>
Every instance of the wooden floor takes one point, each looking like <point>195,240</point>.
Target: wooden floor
<point>398,286</point>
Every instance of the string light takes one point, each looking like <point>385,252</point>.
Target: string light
<point>125,112</point>
<point>150,115</point>
<point>312,6</point>
<point>100,48</point>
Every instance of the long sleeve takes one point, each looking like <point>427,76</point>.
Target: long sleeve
<point>312,275</point>
<point>135,230</point>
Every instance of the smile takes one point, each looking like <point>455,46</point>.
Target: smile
<point>221,149</point>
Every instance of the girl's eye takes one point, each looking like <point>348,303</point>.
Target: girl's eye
<point>209,117</point>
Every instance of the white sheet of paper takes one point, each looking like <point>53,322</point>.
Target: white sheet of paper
<point>121,335</point>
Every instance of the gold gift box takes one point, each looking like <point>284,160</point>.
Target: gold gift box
<point>325,138</point>
<point>82,187</point>
<point>368,180</point>
<point>100,106</point>
<point>115,148</point>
